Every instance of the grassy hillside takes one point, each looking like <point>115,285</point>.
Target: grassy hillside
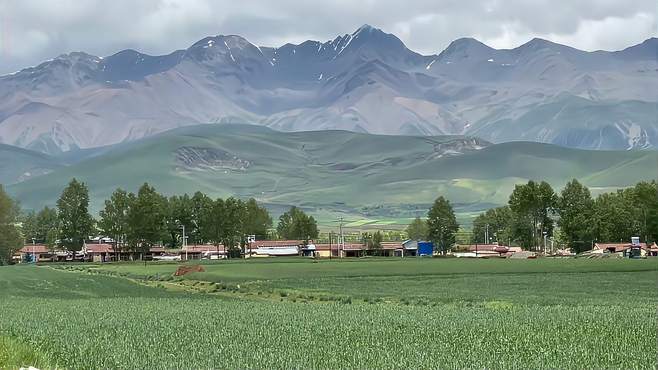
<point>18,164</point>
<point>373,176</point>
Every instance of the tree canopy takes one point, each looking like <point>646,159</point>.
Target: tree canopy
<point>442,224</point>
<point>581,219</point>
<point>295,224</point>
<point>114,217</point>
<point>417,229</point>
<point>499,225</point>
<point>10,236</point>
<point>575,207</point>
<point>146,219</point>
<point>41,227</point>
<point>75,222</point>
<point>532,206</point>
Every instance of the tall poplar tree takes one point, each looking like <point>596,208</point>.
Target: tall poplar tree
<point>75,222</point>
<point>442,224</point>
<point>10,237</point>
<point>113,221</point>
<point>576,209</point>
<point>146,219</point>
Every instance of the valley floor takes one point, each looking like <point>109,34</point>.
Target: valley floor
<point>296,313</point>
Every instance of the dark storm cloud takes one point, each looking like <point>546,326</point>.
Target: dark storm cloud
<point>31,31</point>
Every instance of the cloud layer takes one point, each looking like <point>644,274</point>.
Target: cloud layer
<point>32,31</point>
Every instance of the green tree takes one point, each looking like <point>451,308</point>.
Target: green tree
<point>374,242</point>
<point>499,221</point>
<point>652,224</point>
<point>644,197</point>
<point>523,231</point>
<point>11,239</point>
<point>210,225</point>
<point>75,222</point>
<point>417,229</point>
<point>29,226</point>
<point>41,227</point>
<point>47,227</point>
<point>233,236</point>
<point>575,207</point>
<point>113,221</point>
<point>146,219</point>
<point>442,224</point>
<point>532,203</point>
<point>614,217</point>
<point>257,220</point>
<point>223,224</point>
<point>201,205</point>
<point>180,213</point>
<point>295,224</point>
<point>284,229</point>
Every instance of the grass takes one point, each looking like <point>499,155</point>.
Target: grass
<point>15,354</point>
<point>17,164</point>
<point>391,314</point>
<point>440,281</point>
<point>276,268</point>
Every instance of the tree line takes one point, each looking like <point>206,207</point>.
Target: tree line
<point>572,217</point>
<point>136,222</point>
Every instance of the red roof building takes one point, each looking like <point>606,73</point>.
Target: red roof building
<point>38,249</point>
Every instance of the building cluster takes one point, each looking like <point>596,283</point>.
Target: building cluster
<point>630,250</point>
<point>99,251</point>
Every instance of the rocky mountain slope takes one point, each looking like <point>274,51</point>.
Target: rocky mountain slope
<point>367,81</point>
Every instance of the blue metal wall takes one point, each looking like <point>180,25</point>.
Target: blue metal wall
<point>425,248</point>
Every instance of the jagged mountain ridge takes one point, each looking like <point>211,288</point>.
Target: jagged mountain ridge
<point>367,81</point>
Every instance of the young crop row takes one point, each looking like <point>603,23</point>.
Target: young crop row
<point>197,331</point>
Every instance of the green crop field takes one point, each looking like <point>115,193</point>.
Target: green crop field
<point>296,313</point>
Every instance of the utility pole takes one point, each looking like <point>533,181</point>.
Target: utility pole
<point>184,240</point>
<point>331,250</point>
<point>342,239</point>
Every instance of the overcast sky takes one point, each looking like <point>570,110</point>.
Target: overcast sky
<point>32,31</point>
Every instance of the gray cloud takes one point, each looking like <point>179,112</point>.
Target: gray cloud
<point>32,31</point>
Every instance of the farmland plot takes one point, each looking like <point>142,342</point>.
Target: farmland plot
<point>80,320</point>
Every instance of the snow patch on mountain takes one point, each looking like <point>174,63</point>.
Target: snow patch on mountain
<point>636,136</point>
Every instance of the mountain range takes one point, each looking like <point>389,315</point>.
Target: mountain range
<point>365,82</point>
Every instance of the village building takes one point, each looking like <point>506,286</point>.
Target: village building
<point>387,249</point>
<point>199,252</point>
<point>487,250</point>
<point>103,252</point>
<point>33,253</point>
<point>273,248</point>
<point>100,251</point>
<point>624,249</point>
<point>653,250</point>
<point>412,248</point>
